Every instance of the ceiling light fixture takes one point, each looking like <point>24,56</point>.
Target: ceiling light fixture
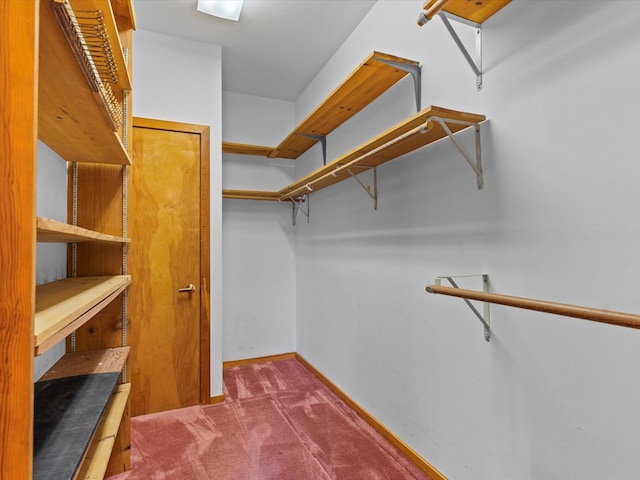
<point>228,9</point>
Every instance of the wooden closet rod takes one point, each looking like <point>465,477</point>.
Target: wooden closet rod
<point>594,314</point>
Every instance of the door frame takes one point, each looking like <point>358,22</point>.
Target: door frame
<point>205,242</point>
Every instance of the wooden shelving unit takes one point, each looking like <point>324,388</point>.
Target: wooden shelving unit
<point>48,96</point>
<point>415,132</point>
<point>93,457</point>
<point>395,142</point>
<point>84,116</point>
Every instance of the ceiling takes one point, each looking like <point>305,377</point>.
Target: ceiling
<point>276,48</point>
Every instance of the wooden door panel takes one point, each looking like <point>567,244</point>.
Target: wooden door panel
<point>164,256</point>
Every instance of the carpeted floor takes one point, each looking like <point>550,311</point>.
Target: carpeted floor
<point>279,422</point>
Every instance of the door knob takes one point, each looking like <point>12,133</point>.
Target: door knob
<point>189,288</point>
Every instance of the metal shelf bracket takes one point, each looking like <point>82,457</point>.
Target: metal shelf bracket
<point>296,204</point>
<point>484,319</point>
<point>475,166</point>
<point>476,65</point>
<point>367,188</point>
<point>416,73</point>
<point>323,141</point>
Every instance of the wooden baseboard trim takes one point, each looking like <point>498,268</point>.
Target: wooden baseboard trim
<point>268,358</point>
<point>215,400</point>
<point>402,447</point>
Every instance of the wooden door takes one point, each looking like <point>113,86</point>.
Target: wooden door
<point>168,258</point>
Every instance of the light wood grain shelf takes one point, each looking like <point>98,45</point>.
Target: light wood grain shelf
<point>86,363</point>
<point>476,11</point>
<point>72,121</point>
<point>49,230</point>
<point>366,83</point>
<point>64,305</point>
<point>383,148</point>
<point>244,149</point>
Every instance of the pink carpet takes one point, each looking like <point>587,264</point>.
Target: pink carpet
<point>279,422</point>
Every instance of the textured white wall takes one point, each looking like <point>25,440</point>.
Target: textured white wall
<point>258,238</point>
<point>180,80</point>
<point>549,397</point>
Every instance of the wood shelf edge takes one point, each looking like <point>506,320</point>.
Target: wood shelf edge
<point>250,195</point>
<point>96,460</point>
<point>49,230</point>
<point>245,149</point>
<point>71,310</point>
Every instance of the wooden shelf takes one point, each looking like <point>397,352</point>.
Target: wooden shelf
<point>72,121</point>
<point>382,149</point>
<point>87,421</point>
<point>53,231</point>
<point>64,305</point>
<point>476,11</point>
<point>86,363</point>
<point>243,149</point>
<point>97,458</point>
<point>250,195</point>
<point>366,83</point>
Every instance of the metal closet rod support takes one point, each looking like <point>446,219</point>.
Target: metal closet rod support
<point>586,313</point>
<point>431,12</point>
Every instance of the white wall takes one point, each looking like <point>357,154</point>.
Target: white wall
<point>258,238</point>
<point>51,258</point>
<point>549,397</point>
<point>180,80</point>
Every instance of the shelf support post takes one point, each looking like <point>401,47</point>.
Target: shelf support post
<point>477,165</point>
<point>476,65</point>
<point>74,245</point>
<point>416,73</point>
<point>323,141</point>
<point>297,207</point>
<point>484,319</point>
<point>367,188</point>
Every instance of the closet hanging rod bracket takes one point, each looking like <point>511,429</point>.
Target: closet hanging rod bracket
<point>296,204</point>
<point>416,73</point>
<point>476,65</point>
<point>367,188</point>
<point>485,318</point>
<point>475,166</point>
